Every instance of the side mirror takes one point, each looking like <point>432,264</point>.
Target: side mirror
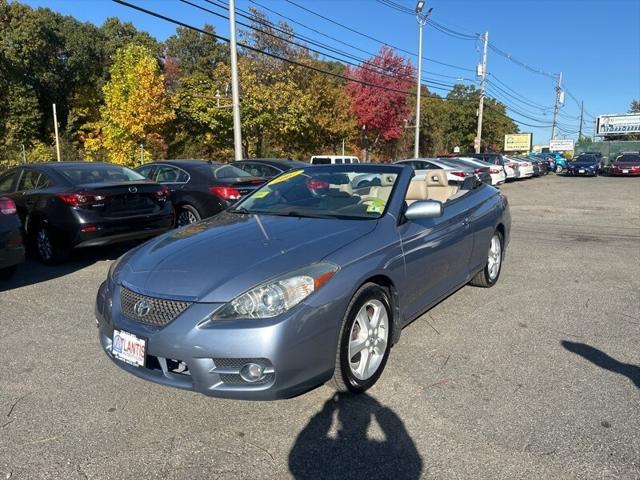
<point>423,209</point>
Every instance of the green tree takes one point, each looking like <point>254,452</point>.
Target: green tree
<point>136,108</point>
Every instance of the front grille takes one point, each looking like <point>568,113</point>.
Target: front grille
<point>150,310</point>
<point>232,379</point>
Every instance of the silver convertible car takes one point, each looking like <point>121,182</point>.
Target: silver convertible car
<point>308,280</point>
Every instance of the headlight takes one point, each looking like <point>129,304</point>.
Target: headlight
<point>278,295</point>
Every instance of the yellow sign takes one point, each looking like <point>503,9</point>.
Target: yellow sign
<point>285,176</point>
<point>517,142</point>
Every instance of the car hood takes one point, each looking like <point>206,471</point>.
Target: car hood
<point>626,164</point>
<point>221,257</point>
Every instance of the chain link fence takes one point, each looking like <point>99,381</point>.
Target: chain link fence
<point>609,150</point>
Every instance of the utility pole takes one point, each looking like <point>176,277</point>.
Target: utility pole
<point>141,154</point>
<point>365,156</point>
<point>343,147</point>
<point>24,155</point>
<point>55,128</point>
<point>581,114</point>
<point>482,71</point>
<point>422,20</point>
<point>556,106</point>
<point>235,88</point>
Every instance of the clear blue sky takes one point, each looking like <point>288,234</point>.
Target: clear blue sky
<point>595,44</point>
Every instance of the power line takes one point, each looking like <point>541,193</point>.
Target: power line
<point>307,66</point>
<point>342,42</point>
<point>435,84</point>
<point>319,15</point>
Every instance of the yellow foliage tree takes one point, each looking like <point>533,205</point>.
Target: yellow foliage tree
<point>135,111</point>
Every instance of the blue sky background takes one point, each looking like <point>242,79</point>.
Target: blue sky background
<point>596,44</point>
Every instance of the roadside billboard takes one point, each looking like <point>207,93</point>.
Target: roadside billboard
<point>561,145</point>
<point>617,124</point>
<point>517,142</point>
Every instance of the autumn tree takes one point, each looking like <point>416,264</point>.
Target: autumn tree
<point>136,108</point>
<point>379,95</point>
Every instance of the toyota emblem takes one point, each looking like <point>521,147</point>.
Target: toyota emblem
<point>142,308</point>
<point>133,189</point>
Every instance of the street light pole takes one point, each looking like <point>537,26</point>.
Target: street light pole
<point>235,93</point>
<point>55,128</point>
<point>422,20</point>
<point>556,106</point>
<point>478,139</point>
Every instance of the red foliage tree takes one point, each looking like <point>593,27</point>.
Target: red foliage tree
<point>382,110</point>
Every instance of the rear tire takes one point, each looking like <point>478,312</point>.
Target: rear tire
<point>48,248</point>
<point>365,340</point>
<point>489,275</point>
<point>187,215</point>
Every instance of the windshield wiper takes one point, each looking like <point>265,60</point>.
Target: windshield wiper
<point>297,213</point>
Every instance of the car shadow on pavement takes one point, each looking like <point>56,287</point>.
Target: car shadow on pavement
<point>341,442</point>
<point>33,272</point>
<point>602,360</point>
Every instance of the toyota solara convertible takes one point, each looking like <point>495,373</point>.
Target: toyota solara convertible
<point>310,279</point>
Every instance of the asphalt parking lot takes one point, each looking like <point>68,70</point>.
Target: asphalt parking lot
<point>538,377</point>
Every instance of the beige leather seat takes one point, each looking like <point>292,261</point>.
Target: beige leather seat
<point>384,190</point>
<point>417,190</point>
<point>438,187</point>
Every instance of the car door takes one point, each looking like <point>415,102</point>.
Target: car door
<point>436,253</point>
<point>25,194</point>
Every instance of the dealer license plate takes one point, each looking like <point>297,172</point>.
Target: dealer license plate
<point>625,171</point>
<point>581,171</point>
<point>129,348</point>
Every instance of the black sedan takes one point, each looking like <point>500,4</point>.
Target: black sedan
<point>584,165</point>
<point>200,188</point>
<point>268,168</point>
<point>66,205</point>
<point>11,248</point>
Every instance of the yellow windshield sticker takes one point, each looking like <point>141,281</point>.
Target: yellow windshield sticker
<point>285,177</point>
<point>375,205</point>
<point>261,194</point>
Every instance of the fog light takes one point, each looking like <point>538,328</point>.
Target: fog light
<point>252,372</point>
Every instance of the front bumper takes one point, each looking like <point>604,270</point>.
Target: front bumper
<point>586,172</point>
<point>298,348</point>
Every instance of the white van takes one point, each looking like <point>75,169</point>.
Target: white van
<point>332,160</point>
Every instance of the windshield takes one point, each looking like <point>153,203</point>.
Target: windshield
<point>586,158</point>
<point>324,192</point>
<point>98,173</point>
<point>629,157</point>
<point>228,171</point>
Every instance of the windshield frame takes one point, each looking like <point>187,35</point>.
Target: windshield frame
<point>358,168</point>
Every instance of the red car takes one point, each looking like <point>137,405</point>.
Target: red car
<point>627,164</point>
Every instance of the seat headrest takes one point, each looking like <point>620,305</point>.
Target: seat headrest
<point>387,179</point>
<point>435,178</point>
<point>417,190</point>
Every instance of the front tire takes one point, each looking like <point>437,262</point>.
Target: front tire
<point>365,340</point>
<point>489,275</point>
<point>558,169</point>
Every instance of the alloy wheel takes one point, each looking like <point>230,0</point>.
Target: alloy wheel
<point>495,257</point>
<point>368,339</point>
<point>43,242</point>
<point>186,217</point>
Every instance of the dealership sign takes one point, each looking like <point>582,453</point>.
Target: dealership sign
<point>517,142</point>
<point>561,145</point>
<point>617,124</point>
